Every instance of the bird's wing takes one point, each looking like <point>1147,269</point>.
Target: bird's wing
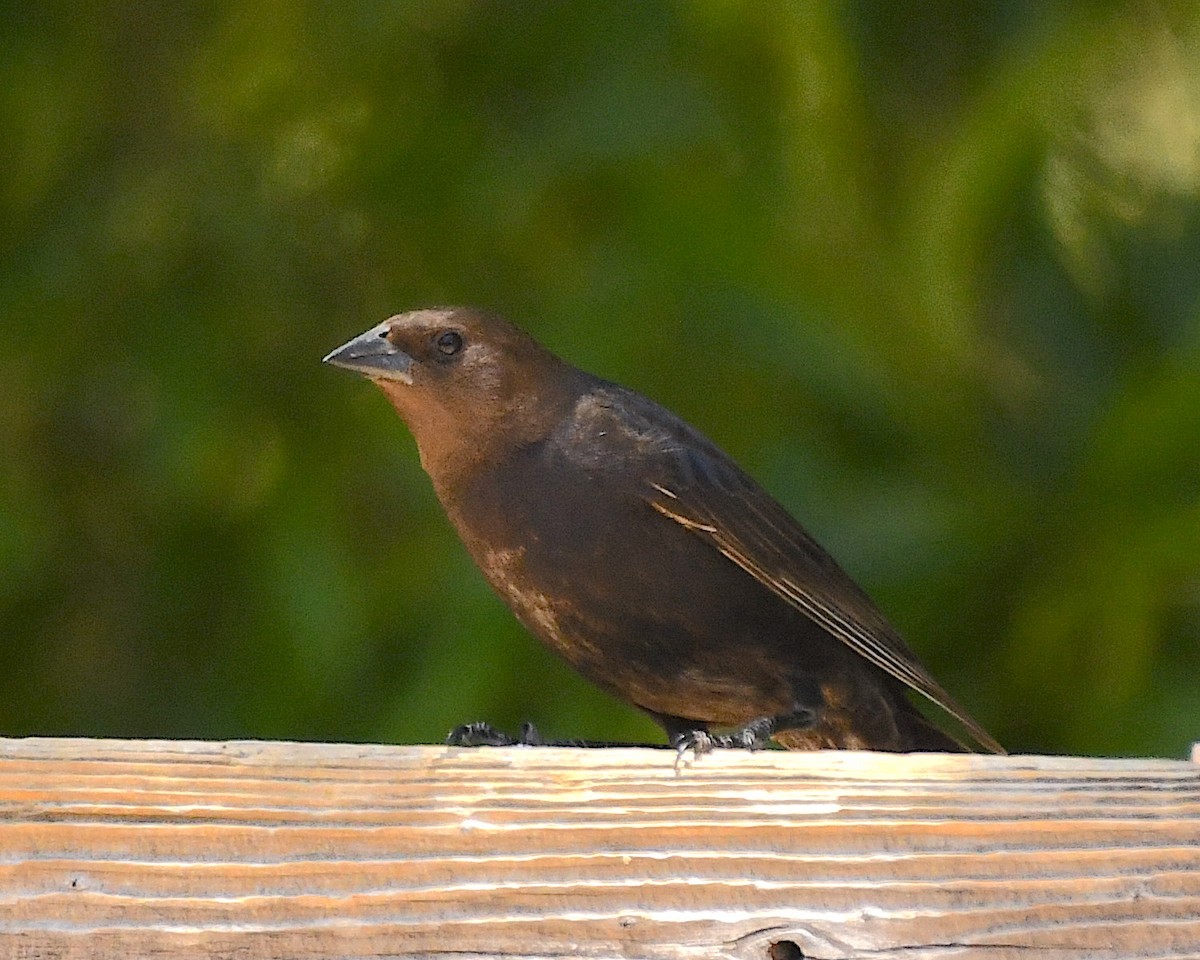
<point>694,484</point>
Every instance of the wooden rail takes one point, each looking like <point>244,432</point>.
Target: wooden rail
<point>126,849</point>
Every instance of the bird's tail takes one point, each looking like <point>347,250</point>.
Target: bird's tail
<point>920,734</point>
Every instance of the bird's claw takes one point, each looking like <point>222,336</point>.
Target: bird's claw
<point>696,741</point>
<point>754,736</point>
<point>482,734</point>
<point>478,734</point>
<point>530,737</point>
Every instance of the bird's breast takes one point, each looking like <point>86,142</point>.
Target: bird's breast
<point>631,599</point>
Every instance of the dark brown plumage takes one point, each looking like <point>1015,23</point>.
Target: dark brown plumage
<point>639,552</point>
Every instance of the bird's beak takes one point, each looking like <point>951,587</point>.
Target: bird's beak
<point>373,355</point>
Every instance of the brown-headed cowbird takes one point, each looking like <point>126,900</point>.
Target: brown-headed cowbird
<point>642,554</point>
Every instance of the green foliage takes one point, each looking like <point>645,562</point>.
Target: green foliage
<point>928,271</point>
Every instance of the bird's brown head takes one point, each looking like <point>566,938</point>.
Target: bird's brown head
<point>463,380</point>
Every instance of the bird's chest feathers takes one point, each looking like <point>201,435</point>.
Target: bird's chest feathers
<point>533,502</point>
<point>528,524</point>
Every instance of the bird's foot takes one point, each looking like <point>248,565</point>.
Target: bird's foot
<point>481,734</point>
<point>753,736</point>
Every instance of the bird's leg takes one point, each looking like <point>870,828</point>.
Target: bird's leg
<point>683,734</point>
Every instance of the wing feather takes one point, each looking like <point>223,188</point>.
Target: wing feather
<point>724,506</point>
<point>693,483</point>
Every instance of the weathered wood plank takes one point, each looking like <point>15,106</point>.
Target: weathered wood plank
<point>194,849</point>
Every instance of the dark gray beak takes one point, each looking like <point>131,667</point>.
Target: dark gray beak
<point>374,356</point>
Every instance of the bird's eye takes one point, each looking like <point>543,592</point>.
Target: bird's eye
<point>449,342</point>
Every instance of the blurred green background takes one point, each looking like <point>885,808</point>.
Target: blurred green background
<point>929,271</point>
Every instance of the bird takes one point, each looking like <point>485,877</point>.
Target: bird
<point>642,554</point>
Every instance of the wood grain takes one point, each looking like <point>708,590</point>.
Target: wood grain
<point>195,849</point>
